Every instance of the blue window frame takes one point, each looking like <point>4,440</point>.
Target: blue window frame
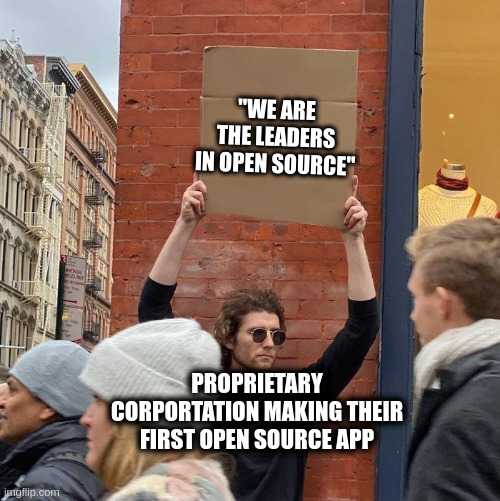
<point>402,146</point>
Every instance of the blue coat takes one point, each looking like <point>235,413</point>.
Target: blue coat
<point>50,459</point>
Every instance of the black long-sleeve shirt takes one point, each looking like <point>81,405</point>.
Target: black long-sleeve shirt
<point>276,476</point>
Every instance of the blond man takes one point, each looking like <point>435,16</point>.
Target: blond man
<point>455,449</point>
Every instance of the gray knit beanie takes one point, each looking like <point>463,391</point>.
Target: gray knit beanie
<point>152,359</point>
<point>50,371</point>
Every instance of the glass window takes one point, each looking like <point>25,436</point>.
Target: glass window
<point>460,109</point>
<point>20,134</point>
<point>4,259</point>
<point>2,113</point>
<point>7,190</point>
<point>10,125</point>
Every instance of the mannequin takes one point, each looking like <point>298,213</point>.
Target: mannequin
<point>451,198</point>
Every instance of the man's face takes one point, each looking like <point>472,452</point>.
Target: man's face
<point>248,354</point>
<point>99,432</point>
<point>21,413</point>
<point>427,313</point>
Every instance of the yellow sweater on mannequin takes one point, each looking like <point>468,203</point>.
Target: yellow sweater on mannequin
<point>438,206</point>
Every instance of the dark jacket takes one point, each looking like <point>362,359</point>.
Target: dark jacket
<point>50,459</point>
<point>455,449</point>
<point>276,476</point>
<point>4,449</point>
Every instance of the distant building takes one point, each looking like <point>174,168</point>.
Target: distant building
<point>90,195</point>
<point>32,136</point>
<point>89,187</point>
<point>57,190</point>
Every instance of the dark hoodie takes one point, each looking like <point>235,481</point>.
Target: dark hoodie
<point>50,459</point>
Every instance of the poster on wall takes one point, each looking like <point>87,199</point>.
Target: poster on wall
<point>73,298</point>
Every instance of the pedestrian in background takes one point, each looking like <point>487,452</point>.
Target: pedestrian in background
<point>153,359</point>
<point>39,417</point>
<point>4,391</point>
<point>455,449</point>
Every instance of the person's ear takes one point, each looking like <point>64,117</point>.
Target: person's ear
<point>47,413</point>
<point>229,344</point>
<point>446,302</point>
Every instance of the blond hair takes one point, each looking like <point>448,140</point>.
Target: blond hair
<point>123,461</point>
<point>463,257</point>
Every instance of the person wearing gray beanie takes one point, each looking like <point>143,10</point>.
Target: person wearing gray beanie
<point>150,360</point>
<point>50,371</point>
<point>39,417</point>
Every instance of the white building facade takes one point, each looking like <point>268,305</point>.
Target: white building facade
<point>32,133</point>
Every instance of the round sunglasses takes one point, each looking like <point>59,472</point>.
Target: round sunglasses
<point>259,334</point>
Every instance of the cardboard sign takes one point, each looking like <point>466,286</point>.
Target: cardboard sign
<point>327,76</point>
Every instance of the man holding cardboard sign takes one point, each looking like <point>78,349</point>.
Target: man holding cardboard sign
<point>251,330</point>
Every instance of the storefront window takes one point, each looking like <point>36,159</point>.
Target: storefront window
<point>460,111</point>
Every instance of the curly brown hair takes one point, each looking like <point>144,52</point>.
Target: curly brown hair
<point>239,303</point>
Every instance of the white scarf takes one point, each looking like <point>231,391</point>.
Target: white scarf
<point>448,347</point>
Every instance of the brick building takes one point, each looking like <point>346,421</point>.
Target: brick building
<point>160,83</point>
<point>88,224</point>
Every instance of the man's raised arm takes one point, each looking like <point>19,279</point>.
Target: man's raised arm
<point>343,358</point>
<point>360,285</point>
<point>159,287</point>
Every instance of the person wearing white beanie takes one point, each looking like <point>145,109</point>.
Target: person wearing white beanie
<point>149,360</point>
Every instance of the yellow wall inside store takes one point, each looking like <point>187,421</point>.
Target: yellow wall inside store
<point>462,77</point>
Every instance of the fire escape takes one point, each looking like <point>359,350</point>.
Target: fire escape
<point>44,221</point>
<point>94,198</point>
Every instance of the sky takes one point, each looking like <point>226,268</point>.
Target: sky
<point>81,31</point>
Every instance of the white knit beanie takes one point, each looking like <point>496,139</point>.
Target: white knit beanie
<point>151,359</point>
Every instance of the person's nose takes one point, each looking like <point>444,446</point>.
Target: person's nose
<point>268,342</point>
<point>4,394</point>
<point>86,419</point>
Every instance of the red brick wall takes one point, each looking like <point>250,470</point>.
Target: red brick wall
<point>160,82</point>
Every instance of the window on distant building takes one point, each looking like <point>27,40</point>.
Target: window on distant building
<point>2,113</point>
<point>20,142</point>
<point>10,124</point>
<point>2,329</point>
<point>19,197</point>
<point>14,264</point>
<point>38,146</point>
<point>26,203</point>
<point>6,200</point>
<point>3,257</point>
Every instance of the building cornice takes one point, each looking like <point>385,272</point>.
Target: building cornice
<point>95,94</point>
<point>60,73</point>
<point>20,76</point>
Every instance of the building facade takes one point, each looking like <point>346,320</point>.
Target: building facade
<point>89,187</point>
<point>57,168</point>
<point>32,133</point>
<point>88,223</point>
